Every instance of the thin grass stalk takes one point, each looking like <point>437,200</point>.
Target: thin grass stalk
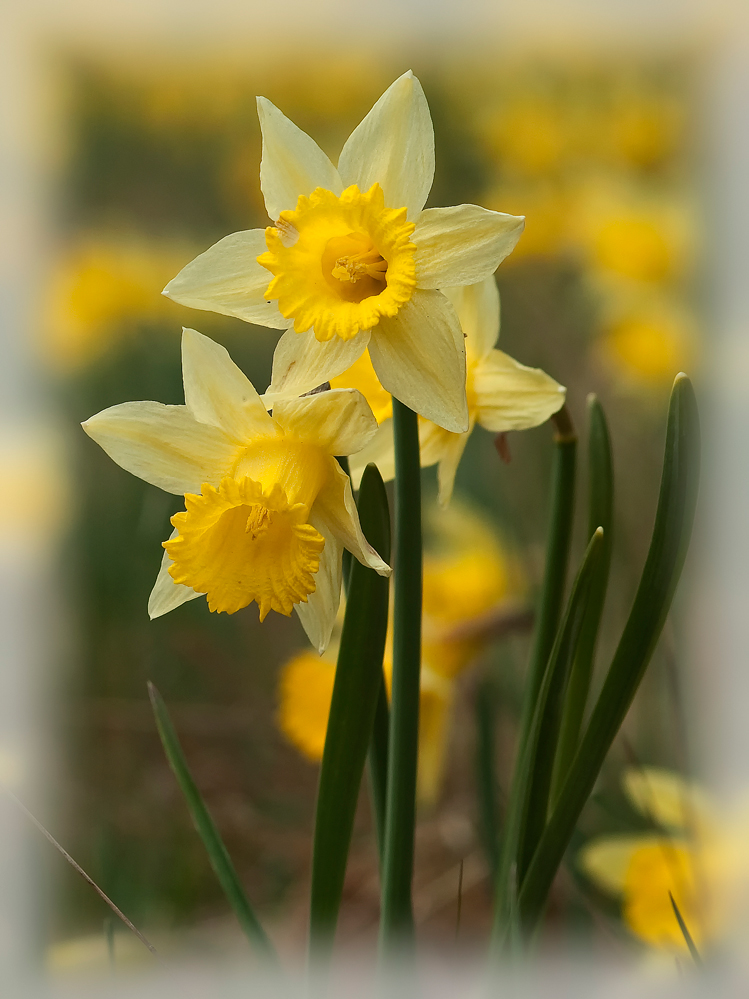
<point>486,776</point>
<point>396,917</point>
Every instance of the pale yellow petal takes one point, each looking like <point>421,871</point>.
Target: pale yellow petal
<point>419,357</point>
<point>301,363</point>
<point>318,614</point>
<point>394,147</point>
<point>165,445</point>
<point>668,799</point>
<point>335,513</point>
<point>477,306</point>
<point>510,396</point>
<point>338,420</point>
<point>605,860</point>
<point>292,163</point>
<point>218,393</point>
<point>448,466</point>
<point>379,452</point>
<point>462,245</point>
<point>228,279</point>
<point>166,595</point>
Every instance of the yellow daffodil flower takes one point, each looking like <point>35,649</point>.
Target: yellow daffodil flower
<point>466,576</point>
<point>502,393</point>
<point>353,260</point>
<point>699,859</point>
<point>268,510</point>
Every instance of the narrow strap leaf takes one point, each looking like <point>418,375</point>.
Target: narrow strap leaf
<point>486,777</point>
<point>549,609</point>
<point>396,916</point>
<point>691,946</point>
<point>356,689</point>
<point>668,547</point>
<point>209,834</point>
<point>600,514</point>
<point>378,764</point>
<point>540,749</point>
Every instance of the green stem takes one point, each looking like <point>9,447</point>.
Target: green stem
<point>600,514</point>
<point>547,620</point>
<point>396,919</point>
<point>356,690</point>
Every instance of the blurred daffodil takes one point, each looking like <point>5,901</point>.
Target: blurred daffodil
<point>502,393</point>
<point>648,339</point>
<point>268,508</point>
<point>466,576</point>
<point>353,261</point>
<point>698,860</point>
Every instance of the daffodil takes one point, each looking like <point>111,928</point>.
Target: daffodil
<point>502,393</point>
<point>698,859</point>
<point>354,261</point>
<point>268,509</point>
<point>467,576</point>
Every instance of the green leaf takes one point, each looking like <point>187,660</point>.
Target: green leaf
<point>540,749</point>
<point>600,514</point>
<point>549,609</point>
<point>396,915</point>
<point>214,845</point>
<point>358,679</point>
<point>668,547</point>
<point>377,764</point>
<point>691,946</point>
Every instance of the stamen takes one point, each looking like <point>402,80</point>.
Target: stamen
<point>258,521</point>
<point>356,266</point>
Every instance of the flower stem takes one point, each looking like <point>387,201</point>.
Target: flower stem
<point>396,921</point>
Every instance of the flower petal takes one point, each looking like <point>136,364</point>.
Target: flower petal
<point>379,451</point>
<point>394,147</point>
<point>301,363</point>
<point>318,614</point>
<point>510,396</point>
<point>605,860</point>
<point>228,279</point>
<point>166,595</point>
<point>292,163</point>
<point>164,445</point>
<point>462,245</point>
<point>338,420</point>
<point>668,799</point>
<point>335,513</point>
<point>477,306</point>
<point>419,357</point>
<point>218,393</point>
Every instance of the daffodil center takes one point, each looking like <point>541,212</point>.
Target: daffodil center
<point>353,266</point>
<point>240,543</point>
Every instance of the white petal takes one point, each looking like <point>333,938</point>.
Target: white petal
<point>605,860</point>
<point>228,279</point>
<point>394,147</point>
<point>477,306</point>
<point>442,447</point>
<point>419,357</point>
<point>462,245</point>
<point>379,451</point>
<point>510,396</point>
<point>218,393</point>
<point>318,614</point>
<point>338,420</point>
<point>292,163</point>
<point>301,363</point>
<point>164,445</point>
<point>166,594</point>
<point>336,511</point>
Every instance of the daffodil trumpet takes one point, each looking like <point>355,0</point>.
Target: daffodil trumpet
<point>268,510</point>
<point>353,261</point>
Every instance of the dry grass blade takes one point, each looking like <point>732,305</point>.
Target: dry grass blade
<point>76,866</point>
